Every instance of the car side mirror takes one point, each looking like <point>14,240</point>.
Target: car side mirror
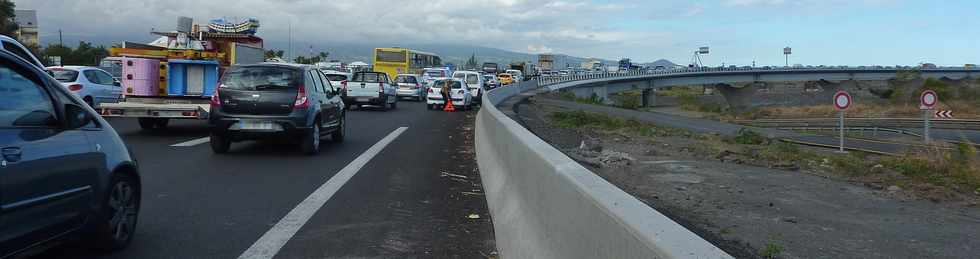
<point>116,83</point>
<point>76,116</point>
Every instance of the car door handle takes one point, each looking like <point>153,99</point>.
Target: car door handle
<point>11,154</point>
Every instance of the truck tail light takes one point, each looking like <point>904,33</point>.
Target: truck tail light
<point>215,100</point>
<point>301,101</point>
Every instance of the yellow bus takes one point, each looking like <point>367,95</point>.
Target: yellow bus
<point>394,61</point>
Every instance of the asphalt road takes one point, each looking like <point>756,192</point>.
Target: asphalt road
<point>414,198</point>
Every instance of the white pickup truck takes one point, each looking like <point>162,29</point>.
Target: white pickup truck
<point>371,88</point>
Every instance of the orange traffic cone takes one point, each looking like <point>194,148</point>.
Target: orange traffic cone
<point>449,106</point>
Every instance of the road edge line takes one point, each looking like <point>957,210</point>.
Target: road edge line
<point>193,142</point>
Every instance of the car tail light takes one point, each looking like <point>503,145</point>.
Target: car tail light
<point>460,91</point>
<point>75,87</point>
<point>430,90</point>
<point>301,101</point>
<point>215,100</point>
<point>343,85</point>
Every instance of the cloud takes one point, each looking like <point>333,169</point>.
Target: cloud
<point>752,2</point>
<point>539,49</point>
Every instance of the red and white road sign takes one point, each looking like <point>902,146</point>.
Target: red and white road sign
<point>842,100</point>
<point>928,100</point>
<point>944,114</point>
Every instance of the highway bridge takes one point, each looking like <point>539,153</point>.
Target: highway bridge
<point>731,82</point>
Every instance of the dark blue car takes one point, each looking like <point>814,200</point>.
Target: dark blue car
<point>64,172</point>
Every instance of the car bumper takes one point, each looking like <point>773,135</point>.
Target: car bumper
<point>281,127</point>
<point>360,100</point>
<point>408,93</point>
<point>440,101</point>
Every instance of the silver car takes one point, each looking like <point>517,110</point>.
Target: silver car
<point>410,86</point>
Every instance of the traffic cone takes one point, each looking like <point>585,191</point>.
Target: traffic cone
<point>449,106</point>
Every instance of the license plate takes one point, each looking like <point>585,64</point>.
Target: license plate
<point>363,99</point>
<point>257,125</point>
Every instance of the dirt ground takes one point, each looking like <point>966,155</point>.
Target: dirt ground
<point>755,211</point>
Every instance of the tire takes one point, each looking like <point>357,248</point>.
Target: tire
<point>161,123</point>
<point>220,144</point>
<point>115,226</point>
<point>146,123</point>
<point>338,135</point>
<point>88,100</point>
<point>311,142</point>
<point>394,105</point>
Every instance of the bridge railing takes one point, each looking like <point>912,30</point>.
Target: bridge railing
<point>553,80</point>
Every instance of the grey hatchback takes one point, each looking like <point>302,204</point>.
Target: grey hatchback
<point>275,100</point>
<point>64,172</point>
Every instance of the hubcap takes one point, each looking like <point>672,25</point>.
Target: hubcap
<point>122,205</point>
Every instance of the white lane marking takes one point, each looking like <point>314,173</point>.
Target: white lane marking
<point>269,244</point>
<point>193,142</point>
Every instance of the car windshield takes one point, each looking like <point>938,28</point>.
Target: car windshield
<point>64,75</point>
<point>405,79</point>
<point>368,77</point>
<point>262,78</point>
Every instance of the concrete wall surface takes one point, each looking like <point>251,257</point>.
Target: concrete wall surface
<point>545,205</point>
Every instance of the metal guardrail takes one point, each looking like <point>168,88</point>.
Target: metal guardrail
<point>897,123</point>
<point>552,80</point>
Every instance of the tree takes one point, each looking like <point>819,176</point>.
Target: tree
<point>7,24</point>
<point>472,63</point>
<point>274,53</point>
<point>85,54</point>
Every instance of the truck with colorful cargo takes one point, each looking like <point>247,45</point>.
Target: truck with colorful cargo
<point>175,76</point>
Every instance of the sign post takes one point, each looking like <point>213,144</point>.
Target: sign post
<point>927,102</point>
<point>842,100</point>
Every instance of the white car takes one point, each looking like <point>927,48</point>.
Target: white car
<point>92,85</point>
<point>518,75</point>
<point>410,86</point>
<point>462,98</point>
<point>491,81</point>
<point>432,74</point>
<point>474,81</point>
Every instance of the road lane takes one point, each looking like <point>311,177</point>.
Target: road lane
<point>201,205</point>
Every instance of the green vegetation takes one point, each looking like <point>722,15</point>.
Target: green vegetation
<point>958,169</point>
<point>584,119</point>
<point>941,88</point>
<point>84,55</point>
<point>594,99</point>
<point>7,24</point>
<point>629,99</point>
<point>746,136</point>
<point>772,250</point>
<point>907,74</point>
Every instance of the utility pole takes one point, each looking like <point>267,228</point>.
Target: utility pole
<point>290,51</point>
<point>61,40</point>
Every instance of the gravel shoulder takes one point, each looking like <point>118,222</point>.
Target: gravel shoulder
<point>756,211</point>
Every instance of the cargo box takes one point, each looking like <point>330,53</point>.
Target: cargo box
<point>192,77</point>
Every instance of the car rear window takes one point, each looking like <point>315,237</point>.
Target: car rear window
<point>504,75</point>
<point>472,79</point>
<point>262,78</point>
<point>64,75</point>
<point>368,77</point>
<point>336,78</point>
<point>405,79</point>
<point>436,73</point>
<point>453,84</point>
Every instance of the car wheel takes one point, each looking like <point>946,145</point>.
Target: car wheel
<point>115,228</point>
<point>146,123</point>
<point>220,144</point>
<point>161,123</point>
<point>311,142</point>
<point>88,100</point>
<point>338,135</point>
<point>394,105</point>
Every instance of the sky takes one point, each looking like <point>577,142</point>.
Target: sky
<point>738,32</point>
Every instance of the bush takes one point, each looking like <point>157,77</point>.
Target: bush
<point>630,99</point>
<point>746,136</point>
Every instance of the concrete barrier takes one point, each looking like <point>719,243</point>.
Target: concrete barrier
<point>545,205</point>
